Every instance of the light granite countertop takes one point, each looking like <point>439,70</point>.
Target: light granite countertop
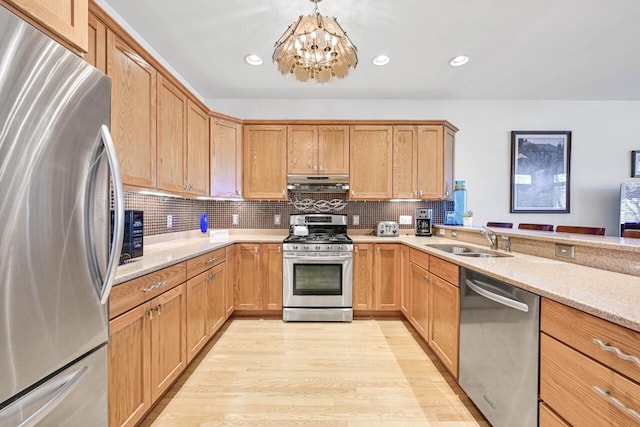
<point>609,295</point>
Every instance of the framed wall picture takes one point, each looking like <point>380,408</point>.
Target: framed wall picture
<point>635,164</point>
<point>540,166</point>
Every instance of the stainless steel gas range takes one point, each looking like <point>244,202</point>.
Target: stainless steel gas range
<point>317,281</point>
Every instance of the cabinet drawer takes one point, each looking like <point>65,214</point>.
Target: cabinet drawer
<point>204,262</point>
<point>588,334</point>
<point>583,391</point>
<point>134,292</point>
<point>444,269</point>
<point>548,418</point>
<point>419,258</point>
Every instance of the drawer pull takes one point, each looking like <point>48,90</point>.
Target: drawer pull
<point>211,260</point>
<point>617,351</point>
<point>154,287</point>
<point>601,392</point>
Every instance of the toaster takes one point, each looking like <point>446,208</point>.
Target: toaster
<point>387,229</point>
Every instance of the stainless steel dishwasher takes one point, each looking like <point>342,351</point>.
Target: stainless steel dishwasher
<point>499,343</point>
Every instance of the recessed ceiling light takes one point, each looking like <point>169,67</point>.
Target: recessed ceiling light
<point>253,59</point>
<point>459,60</point>
<point>381,60</point>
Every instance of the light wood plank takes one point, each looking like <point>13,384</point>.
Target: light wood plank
<point>270,373</point>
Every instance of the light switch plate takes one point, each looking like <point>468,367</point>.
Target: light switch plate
<point>405,219</point>
<point>235,219</point>
<point>277,219</point>
<point>442,231</point>
<point>169,221</point>
<point>355,219</point>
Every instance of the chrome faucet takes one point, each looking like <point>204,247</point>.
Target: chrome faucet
<point>491,236</point>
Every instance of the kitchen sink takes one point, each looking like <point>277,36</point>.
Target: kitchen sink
<point>468,251</point>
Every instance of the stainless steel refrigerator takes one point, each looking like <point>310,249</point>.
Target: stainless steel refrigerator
<point>56,268</point>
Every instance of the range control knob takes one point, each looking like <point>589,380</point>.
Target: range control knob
<point>382,231</point>
<point>305,247</point>
<point>295,247</point>
<point>395,231</point>
<point>318,247</point>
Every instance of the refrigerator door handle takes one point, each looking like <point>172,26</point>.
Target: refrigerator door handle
<point>118,221</point>
<point>58,393</point>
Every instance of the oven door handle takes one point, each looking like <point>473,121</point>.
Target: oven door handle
<point>314,256</point>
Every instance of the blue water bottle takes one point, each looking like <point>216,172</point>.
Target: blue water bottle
<point>204,223</point>
<point>459,201</point>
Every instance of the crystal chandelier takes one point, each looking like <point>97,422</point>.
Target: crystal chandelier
<point>315,47</point>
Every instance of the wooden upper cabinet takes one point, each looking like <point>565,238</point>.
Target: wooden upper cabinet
<point>66,19</point>
<point>133,112</point>
<point>197,150</point>
<point>264,162</point>
<point>97,44</point>
<point>318,149</point>
<point>226,158</point>
<point>371,154</point>
<point>405,165</point>
<point>435,160</point>
<point>172,137</point>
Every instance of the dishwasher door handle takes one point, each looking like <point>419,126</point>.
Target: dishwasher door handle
<point>476,286</point>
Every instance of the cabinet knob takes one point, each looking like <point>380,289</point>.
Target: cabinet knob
<point>150,314</point>
<point>321,168</point>
<point>279,249</point>
<point>421,193</point>
<point>446,193</point>
<point>355,249</point>
<point>415,193</point>
<point>378,249</point>
<point>238,192</point>
<point>353,192</point>
<point>255,249</point>
<point>284,192</point>
<point>315,168</point>
<point>427,279</point>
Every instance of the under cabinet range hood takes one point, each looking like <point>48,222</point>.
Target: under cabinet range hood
<point>319,183</point>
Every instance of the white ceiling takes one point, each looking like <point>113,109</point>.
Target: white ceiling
<point>519,49</point>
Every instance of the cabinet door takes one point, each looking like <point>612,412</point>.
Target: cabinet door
<point>333,149</point>
<point>65,18</point>
<point>431,161</point>
<point>449,161</point>
<point>272,276</point>
<point>172,137</point>
<point>197,150</point>
<point>444,322</point>
<point>216,305</point>
<point>302,149</point>
<point>363,277</point>
<point>230,280</point>
<point>197,328</point>
<point>248,294</point>
<point>387,277</point>
<point>371,153</point>
<point>405,295</point>
<point>419,316</point>
<point>405,171</point>
<point>133,112</point>
<point>129,368</point>
<point>264,162</point>
<point>226,155</point>
<point>168,339</point>
<point>97,44</point>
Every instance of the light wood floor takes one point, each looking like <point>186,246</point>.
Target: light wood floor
<point>270,373</point>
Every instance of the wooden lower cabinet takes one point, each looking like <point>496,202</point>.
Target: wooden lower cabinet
<point>582,378</point>
<point>258,271</point>
<point>405,280</point>
<point>216,303</point>
<point>376,275</point>
<point>197,330</point>
<point>548,418</point>
<point>444,322</point>
<point>419,306</point>
<point>129,366</point>
<point>230,280</point>
<point>147,352</point>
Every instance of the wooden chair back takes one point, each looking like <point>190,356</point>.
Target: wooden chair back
<point>598,231</point>
<point>541,227</point>
<point>500,224</point>
<point>631,232</point>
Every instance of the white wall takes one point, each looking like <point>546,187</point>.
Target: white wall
<point>603,134</point>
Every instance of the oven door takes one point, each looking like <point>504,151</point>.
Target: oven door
<point>317,279</point>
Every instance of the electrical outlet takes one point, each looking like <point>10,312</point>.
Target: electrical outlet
<point>442,231</point>
<point>454,234</point>
<point>406,219</point>
<point>169,221</point>
<point>355,219</point>
<point>235,219</point>
<point>277,219</point>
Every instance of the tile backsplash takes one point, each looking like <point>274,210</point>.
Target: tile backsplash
<point>260,214</point>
